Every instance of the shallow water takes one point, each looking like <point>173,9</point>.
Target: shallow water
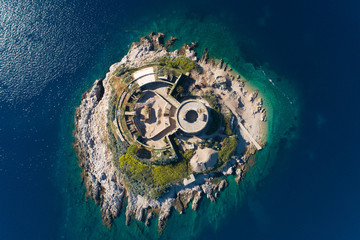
<point>304,183</point>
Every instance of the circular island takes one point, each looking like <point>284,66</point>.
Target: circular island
<point>162,128</point>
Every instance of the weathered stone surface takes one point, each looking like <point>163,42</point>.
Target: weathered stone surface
<point>96,160</point>
<point>164,213</point>
<point>220,64</point>
<point>205,56</point>
<point>196,200</point>
<point>222,184</point>
<point>149,216</point>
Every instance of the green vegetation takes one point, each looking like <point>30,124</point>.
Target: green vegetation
<point>116,146</point>
<point>151,180</point>
<point>177,146</point>
<point>112,106</point>
<point>179,90</point>
<point>144,153</point>
<point>164,70</point>
<point>183,63</point>
<point>127,77</point>
<point>169,174</point>
<point>166,154</point>
<point>133,150</point>
<point>188,154</point>
<point>150,172</point>
<point>227,124</point>
<point>228,147</point>
<point>160,71</point>
<point>121,70</point>
<point>213,102</point>
<point>134,168</point>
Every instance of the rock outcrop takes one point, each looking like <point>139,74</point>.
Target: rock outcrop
<point>101,178</point>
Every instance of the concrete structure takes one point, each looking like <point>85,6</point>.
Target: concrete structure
<point>156,114</point>
<point>188,181</point>
<point>144,76</point>
<point>192,116</point>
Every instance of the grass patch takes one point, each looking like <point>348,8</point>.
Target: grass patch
<point>133,150</point>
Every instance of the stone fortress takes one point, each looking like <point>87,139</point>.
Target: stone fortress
<point>152,114</point>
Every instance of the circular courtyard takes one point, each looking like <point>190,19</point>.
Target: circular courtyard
<point>192,116</point>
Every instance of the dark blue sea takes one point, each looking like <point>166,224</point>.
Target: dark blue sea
<point>303,56</point>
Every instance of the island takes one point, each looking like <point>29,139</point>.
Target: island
<point>163,128</point>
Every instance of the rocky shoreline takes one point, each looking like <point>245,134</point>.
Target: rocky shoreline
<point>103,181</point>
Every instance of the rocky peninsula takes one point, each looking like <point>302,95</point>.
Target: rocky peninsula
<point>163,128</point>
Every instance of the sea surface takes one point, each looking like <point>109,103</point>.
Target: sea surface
<point>303,56</point>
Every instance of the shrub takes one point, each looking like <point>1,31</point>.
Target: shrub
<point>116,146</point>
<point>127,77</point>
<point>170,174</point>
<point>179,90</point>
<point>150,180</point>
<point>133,150</point>
<point>112,106</point>
<point>143,153</point>
<point>228,147</point>
<point>227,125</point>
<point>188,154</point>
<point>121,71</point>
<point>177,142</point>
<point>213,102</point>
<point>134,168</point>
<point>182,63</point>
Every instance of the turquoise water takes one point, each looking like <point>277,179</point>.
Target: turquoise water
<point>82,218</point>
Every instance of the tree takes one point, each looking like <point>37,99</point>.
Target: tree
<point>188,154</point>
<point>179,90</point>
<point>133,149</point>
